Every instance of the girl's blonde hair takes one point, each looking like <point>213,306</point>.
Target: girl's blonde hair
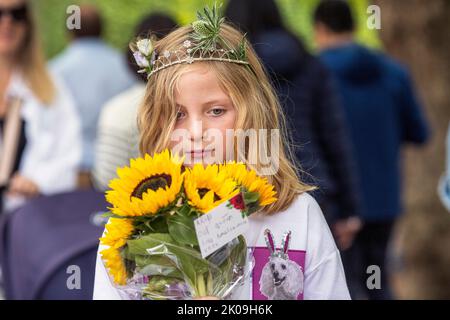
<point>32,62</point>
<point>252,95</point>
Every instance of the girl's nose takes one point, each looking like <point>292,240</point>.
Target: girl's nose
<point>196,130</point>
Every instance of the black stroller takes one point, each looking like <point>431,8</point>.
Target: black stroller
<point>48,247</point>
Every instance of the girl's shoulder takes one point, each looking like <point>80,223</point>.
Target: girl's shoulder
<point>304,199</point>
<point>301,216</point>
<point>304,206</point>
<point>306,209</point>
<point>304,217</point>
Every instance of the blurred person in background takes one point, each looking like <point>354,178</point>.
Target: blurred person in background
<point>118,136</point>
<point>94,73</point>
<point>315,119</point>
<point>383,113</point>
<point>444,183</point>
<point>40,145</point>
<point>419,256</point>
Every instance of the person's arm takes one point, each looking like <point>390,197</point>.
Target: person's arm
<point>413,123</point>
<point>324,273</point>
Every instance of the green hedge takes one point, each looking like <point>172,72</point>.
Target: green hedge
<point>122,15</point>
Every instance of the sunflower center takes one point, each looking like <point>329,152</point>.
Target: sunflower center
<point>203,191</point>
<point>153,183</point>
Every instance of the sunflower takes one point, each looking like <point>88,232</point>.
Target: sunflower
<point>208,187</point>
<point>115,265</point>
<point>116,235</point>
<point>251,182</point>
<point>147,185</point>
<point>117,232</point>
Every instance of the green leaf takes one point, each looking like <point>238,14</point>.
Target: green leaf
<point>187,259</point>
<point>140,245</point>
<point>185,210</point>
<point>157,265</point>
<point>109,214</point>
<point>181,228</point>
<point>156,224</point>
<point>250,197</point>
<point>126,254</point>
<point>159,225</point>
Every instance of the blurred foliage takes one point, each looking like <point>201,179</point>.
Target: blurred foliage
<point>120,17</point>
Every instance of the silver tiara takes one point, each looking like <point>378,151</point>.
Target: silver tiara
<point>205,44</point>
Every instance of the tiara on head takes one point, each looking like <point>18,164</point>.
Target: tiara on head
<point>204,44</point>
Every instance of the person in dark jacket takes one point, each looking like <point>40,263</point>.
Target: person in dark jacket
<point>315,119</point>
<point>383,113</point>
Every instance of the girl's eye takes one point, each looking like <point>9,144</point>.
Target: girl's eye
<point>180,115</point>
<point>217,112</point>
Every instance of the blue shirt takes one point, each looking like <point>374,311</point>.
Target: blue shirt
<point>94,73</point>
<point>383,112</point>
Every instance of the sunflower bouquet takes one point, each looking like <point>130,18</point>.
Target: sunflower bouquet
<point>151,246</point>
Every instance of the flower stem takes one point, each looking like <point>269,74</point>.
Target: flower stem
<point>209,284</point>
<point>201,288</point>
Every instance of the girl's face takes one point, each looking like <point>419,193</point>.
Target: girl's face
<point>205,112</point>
<point>13,26</point>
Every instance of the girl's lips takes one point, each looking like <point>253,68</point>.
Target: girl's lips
<point>200,153</point>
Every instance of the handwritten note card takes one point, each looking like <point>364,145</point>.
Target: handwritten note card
<point>218,227</point>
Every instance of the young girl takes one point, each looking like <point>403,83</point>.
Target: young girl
<point>206,88</point>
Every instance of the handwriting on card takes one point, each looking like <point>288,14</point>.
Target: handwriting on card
<point>218,227</point>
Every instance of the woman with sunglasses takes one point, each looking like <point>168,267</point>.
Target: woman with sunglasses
<point>39,128</point>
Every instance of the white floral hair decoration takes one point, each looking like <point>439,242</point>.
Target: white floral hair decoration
<point>205,44</point>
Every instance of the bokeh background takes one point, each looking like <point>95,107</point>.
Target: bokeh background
<point>413,31</point>
<point>121,16</point>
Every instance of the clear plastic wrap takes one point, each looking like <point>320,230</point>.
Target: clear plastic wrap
<point>165,270</point>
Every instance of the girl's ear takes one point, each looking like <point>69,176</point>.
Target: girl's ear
<point>286,242</point>
<point>269,241</point>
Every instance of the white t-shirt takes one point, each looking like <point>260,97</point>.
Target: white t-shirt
<point>312,269</point>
